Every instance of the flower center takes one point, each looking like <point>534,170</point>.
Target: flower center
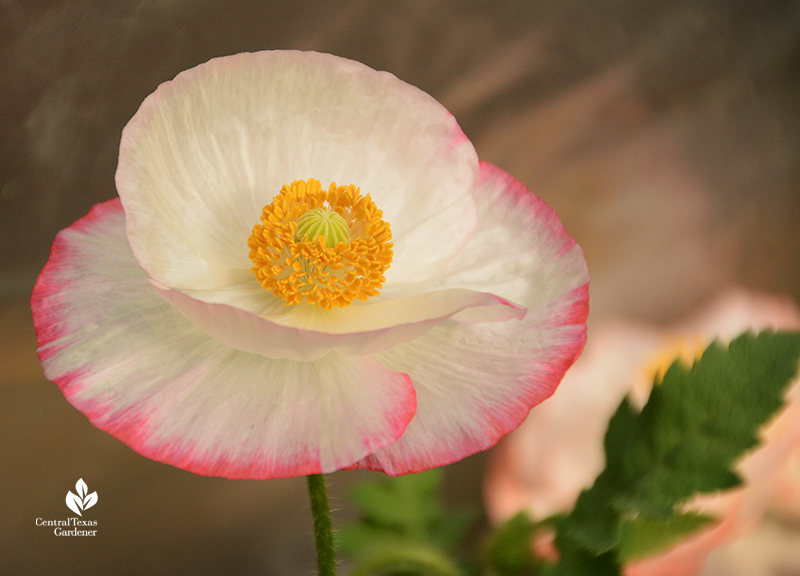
<point>321,222</point>
<point>328,247</point>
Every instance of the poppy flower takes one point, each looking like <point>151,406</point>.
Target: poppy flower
<point>558,451</point>
<point>307,269</point>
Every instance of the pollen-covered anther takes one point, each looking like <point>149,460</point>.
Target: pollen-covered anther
<point>329,247</point>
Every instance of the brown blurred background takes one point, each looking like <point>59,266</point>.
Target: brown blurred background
<point>666,135</point>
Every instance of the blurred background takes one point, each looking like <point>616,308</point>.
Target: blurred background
<point>665,134</point>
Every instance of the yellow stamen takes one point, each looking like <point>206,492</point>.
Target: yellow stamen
<point>327,247</point>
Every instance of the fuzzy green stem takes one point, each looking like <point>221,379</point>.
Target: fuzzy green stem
<point>326,556</point>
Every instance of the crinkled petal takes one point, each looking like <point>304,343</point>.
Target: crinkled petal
<point>139,370</point>
<point>308,333</point>
<point>206,151</point>
<point>521,250</point>
<point>476,383</point>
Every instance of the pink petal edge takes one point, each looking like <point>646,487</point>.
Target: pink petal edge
<point>134,430</point>
<point>537,392</point>
<point>134,425</point>
<point>567,313</point>
<point>47,330</point>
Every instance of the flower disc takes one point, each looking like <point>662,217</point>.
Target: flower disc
<point>327,247</point>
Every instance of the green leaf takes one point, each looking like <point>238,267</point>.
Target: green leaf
<point>700,421</point>
<point>509,549</point>
<point>576,560</point>
<point>686,440</point>
<point>362,540</point>
<point>449,532</point>
<point>644,537</point>
<point>407,503</point>
<point>408,560</point>
<point>593,522</point>
<point>401,514</point>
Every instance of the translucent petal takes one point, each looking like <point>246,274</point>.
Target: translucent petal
<point>208,150</point>
<point>123,356</point>
<point>475,383</point>
<point>307,333</point>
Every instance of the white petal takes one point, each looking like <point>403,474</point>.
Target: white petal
<point>209,149</point>
<point>306,333</point>
<point>520,250</point>
<point>123,356</point>
<point>476,383</point>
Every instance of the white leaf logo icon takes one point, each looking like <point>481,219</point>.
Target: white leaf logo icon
<point>74,503</point>
<point>81,487</point>
<point>90,500</point>
<point>83,500</point>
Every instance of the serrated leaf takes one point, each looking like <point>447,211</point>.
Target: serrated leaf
<point>407,503</point>
<point>74,503</point>
<point>699,421</point>
<point>593,522</point>
<point>451,529</point>
<point>509,549</point>
<point>575,560</point>
<point>643,536</point>
<point>696,424</point>
<point>81,488</point>
<point>583,564</point>
<point>408,560</point>
<point>361,541</point>
<point>90,500</point>
<point>404,513</point>
<point>358,540</point>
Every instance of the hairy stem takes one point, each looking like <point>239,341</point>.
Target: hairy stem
<point>326,556</point>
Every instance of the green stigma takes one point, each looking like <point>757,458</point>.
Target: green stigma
<point>320,222</point>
